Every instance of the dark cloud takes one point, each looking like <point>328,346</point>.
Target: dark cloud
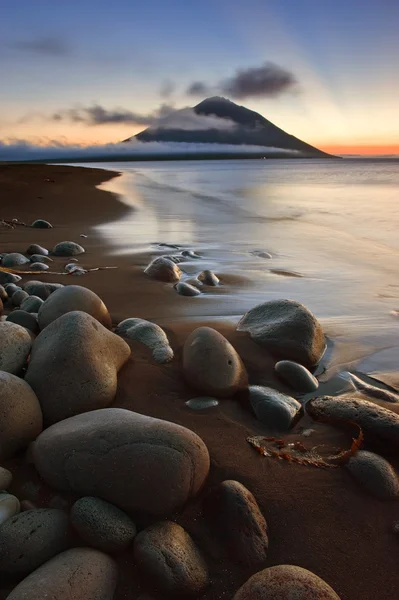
<point>167,88</point>
<point>48,45</point>
<point>269,80</point>
<point>98,115</point>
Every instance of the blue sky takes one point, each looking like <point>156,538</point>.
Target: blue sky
<point>56,56</point>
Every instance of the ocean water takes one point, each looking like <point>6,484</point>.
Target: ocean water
<point>330,226</point>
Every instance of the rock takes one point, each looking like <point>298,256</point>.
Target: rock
<point>375,474</point>
<point>285,582</point>
<point>30,539</point>
<point>211,365</point>
<point>102,525</point>
<point>72,267</point>
<point>237,517</point>
<point>276,410</point>
<point>163,269</point>
<point>24,319</point>
<point>9,278</point>
<point>375,421</point>
<point>190,254</point>
<point>9,506</point>
<point>20,415</point>
<point>39,266</point>
<point>202,402</point>
<point>185,289</point>
<point>14,259</point>
<point>131,460</point>
<point>11,288</point>
<point>39,258</point>
<point>288,329</point>
<point>3,294</point>
<point>5,478</point>
<point>14,348</point>
<point>41,289</point>
<point>36,249</point>
<point>147,333</point>
<point>77,574</point>
<point>41,224</point>
<point>297,376</point>
<point>73,298</point>
<point>195,282</point>
<point>208,278</point>
<point>167,555</point>
<point>1,306</point>
<point>27,505</point>
<point>31,304</point>
<point>74,364</point>
<point>18,297</point>
<point>68,249</point>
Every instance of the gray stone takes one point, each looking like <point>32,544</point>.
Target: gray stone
<point>208,278</point>
<point>20,415</point>
<point>41,289</point>
<point>14,348</point>
<point>102,525</point>
<point>285,582</point>
<point>68,249</point>
<point>131,460</point>
<point>30,539</point>
<point>9,506</point>
<point>14,259</point>
<point>190,254</point>
<point>5,478</point>
<point>195,282</point>
<point>31,304</point>
<point>39,266</point>
<point>276,410</point>
<point>74,364</point>
<point>77,574</point>
<point>3,294</point>
<point>297,376</point>
<point>36,249</point>
<point>39,258</point>
<point>202,402</point>
<point>211,365</point>
<point>167,555</point>
<point>73,298</point>
<point>237,518</point>
<point>375,474</point>
<point>41,224</point>
<point>286,328</point>
<point>24,319</point>
<point>185,289</point>
<point>11,288</point>
<point>375,421</point>
<point>18,297</point>
<point>150,334</point>
<point>163,269</point>
<point>9,278</point>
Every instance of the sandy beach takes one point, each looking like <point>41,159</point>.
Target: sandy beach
<point>319,519</point>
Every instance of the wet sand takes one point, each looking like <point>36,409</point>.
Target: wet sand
<point>319,519</point>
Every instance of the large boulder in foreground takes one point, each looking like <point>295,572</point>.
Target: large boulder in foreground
<point>15,345</point>
<point>168,556</point>
<point>285,582</point>
<point>70,298</point>
<point>78,574</point>
<point>74,365</point>
<point>131,460</point>
<point>211,365</point>
<point>20,415</point>
<point>287,329</point>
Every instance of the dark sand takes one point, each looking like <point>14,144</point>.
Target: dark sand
<point>318,518</point>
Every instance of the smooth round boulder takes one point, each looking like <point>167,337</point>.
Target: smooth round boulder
<point>276,410</point>
<point>133,461</point>
<point>18,297</point>
<point>41,289</point>
<point>3,294</point>
<point>41,224</point>
<point>285,582</point>
<point>208,278</point>
<point>68,249</point>
<point>5,478</point>
<point>297,376</point>
<point>9,506</point>
<point>20,415</point>
<point>163,269</point>
<point>149,334</point>
<point>211,365</point>
<point>74,364</point>
<point>102,525</point>
<point>24,319</point>
<point>73,298</point>
<point>39,258</point>
<point>375,474</point>
<point>168,556</point>
<point>14,348</point>
<point>237,518</point>
<point>78,574</point>
<point>9,278</point>
<point>31,304</point>
<point>39,266</point>
<point>186,289</point>
<point>11,288</point>
<point>287,329</point>
<point>31,538</point>
<point>36,249</point>
<point>14,259</point>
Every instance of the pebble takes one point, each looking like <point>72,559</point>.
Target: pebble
<point>190,254</point>
<point>276,410</point>
<point>9,506</point>
<point>35,258</point>
<point>208,278</point>
<point>185,289</point>
<point>41,289</point>
<point>5,478</point>
<point>67,249</point>
<point>14,259</point>
<point>202,402</point>
<point>14,348</point>
<point>163,269</point>
<point>11,288</point>
<point>36,249</point>
<point>39,266</point>
<point>297,376</point>
<point>9,278</point>
<point>150,334</point>
<point>25,319</point>
<point>18,297</point>
<point>31,304</point>
<point>41,224</point>
<point>375,474</point>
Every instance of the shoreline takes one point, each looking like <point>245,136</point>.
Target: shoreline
<point>318,519</point>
